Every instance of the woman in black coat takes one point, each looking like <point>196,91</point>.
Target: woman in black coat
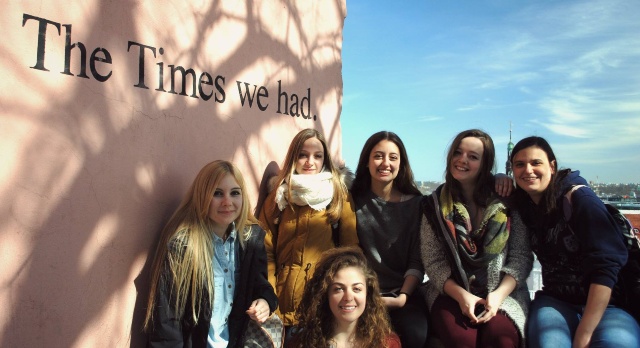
<point>209,275</point>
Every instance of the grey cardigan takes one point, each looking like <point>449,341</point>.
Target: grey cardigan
<point>516,260</point>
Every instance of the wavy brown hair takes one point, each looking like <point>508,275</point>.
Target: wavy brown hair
<point>315,319</point>
<point>334,210</point>
<point>185,250</point>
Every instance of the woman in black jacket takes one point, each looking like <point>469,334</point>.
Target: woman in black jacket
<point>209,275</point>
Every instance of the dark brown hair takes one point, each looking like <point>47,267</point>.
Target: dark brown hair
<point>404,181</point>
<point>548,201</point>
<point>484,185</point>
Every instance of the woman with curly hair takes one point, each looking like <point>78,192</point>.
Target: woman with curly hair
<point>341,305</point>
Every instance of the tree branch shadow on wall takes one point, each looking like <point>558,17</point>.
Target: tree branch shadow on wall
<point>142,281</point>
<point>142,285</point>
<point>83,254</point>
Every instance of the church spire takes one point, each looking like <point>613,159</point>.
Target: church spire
<point>508,169</point>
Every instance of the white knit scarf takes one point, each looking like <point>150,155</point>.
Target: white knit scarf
<point>314,190</point>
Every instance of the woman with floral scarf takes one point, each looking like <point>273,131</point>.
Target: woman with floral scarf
<point>476,253</point>
<point>308,211</point>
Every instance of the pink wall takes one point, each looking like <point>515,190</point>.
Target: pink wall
<point>91,167</point>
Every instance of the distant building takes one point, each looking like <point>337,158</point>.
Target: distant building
<point>633,217</point>
<point>426,187</point>
<point>508,170</point>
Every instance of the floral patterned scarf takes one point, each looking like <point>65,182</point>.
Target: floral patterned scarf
<point>476,248</point>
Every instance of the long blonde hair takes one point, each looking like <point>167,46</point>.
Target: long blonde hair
<point>186,244</point>
<point>334,210</point>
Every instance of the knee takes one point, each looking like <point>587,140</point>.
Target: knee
<point>413,337</point>
<point>616,338</point>
<point>617,331</point>
<point>412,333</point>
<point>548,337</point>
<point>502,341</point>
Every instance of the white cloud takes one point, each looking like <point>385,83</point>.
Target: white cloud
<point>567,130</point>
<point>427,119</point>
<point>582,59</point>
<point>566,70</point>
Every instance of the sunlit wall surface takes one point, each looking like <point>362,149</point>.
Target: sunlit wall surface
<point>107,111</point>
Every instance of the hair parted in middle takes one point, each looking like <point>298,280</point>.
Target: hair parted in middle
<point>404,181</point>
<point>484,183</point>
<point>334,210</point>
<point>315,318</point>
<point>186,242</point>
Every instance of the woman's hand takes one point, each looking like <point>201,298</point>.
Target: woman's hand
<point>259,311</point>
<point>466,300</point>
<point>496,297</point>
<point>597,301</point>
<point>468,303</point>
<point>395,302</point>
<point>491,306</point>
<point>504,185</point>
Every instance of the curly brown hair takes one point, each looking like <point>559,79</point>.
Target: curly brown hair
<point>315,319</point>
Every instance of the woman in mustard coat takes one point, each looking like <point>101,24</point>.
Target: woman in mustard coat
<point>308,211</point>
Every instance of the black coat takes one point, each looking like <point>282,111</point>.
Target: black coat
<point>170,331</point>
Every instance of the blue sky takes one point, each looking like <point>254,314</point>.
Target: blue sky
<point>568,71</point>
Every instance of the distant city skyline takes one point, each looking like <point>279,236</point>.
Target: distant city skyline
<point>568,71</point>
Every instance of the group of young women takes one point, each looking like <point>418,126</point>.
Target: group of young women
<point>343,263</point>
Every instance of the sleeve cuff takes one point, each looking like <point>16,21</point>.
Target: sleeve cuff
<point>416,273</point>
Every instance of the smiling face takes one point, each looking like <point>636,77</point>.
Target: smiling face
<point>226,204</point>
<point>348,296</point>
<point>310,159</point>
<point>384,162</point>
<point>533,171</point>
<point>467,160</point>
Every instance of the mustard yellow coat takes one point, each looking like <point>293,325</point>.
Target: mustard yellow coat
<point>303,234</point>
